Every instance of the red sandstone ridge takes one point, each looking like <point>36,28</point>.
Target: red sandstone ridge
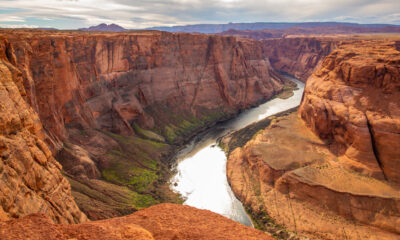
<point>109,81</point>
<point>30,178</point>
<point>353,99</point>
<point>160,222</point>
<point>288,174</point>
<point>336,164</point>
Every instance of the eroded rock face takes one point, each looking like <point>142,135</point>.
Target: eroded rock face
<point>109,81</point>
<point>336,164</point>
<point>153,88</point>
<point>161,222</point>
<point>30,178</point>
<point>288,174</point>
<point>353,99</point>
<point>297,56</point>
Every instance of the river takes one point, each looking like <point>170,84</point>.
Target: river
<point>201,164</point>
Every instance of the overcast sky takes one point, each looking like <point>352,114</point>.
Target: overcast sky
<point>71,14</point>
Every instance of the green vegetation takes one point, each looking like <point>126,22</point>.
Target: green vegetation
<point>169,133</point>
<point>287,90</point>
<point>108,197</point>
<point>136,163</point>
<point>242,136</point>
<point>176,125</point>
<point>147,134</point>
<point>143,201</point>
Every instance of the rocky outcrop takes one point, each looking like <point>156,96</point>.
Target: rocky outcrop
<point>353,99</point>
<point>160,222</point>
<point>30,178</point>
<point>298,56</point>
<point>335,164</point>
<point>288,176</point>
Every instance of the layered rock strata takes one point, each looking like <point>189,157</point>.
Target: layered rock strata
<point>110,81</point>
<point>298,56</point>
<point>288,176</point>
<point>353,99</point>
<point>112,104</point>
<point>330,172</point>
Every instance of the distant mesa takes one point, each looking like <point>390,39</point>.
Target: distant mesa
<point>318,30</point>
<point>218,28</point>
<point>104,28</point>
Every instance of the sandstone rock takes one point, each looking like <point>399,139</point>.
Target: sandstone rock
<point>290,174</point>
<point>31,181</point>
<point>353,99</point>
<point>109,81</point>
<point>297,56</point>
<point>164,221</point>
<point>38,226</point>
<point>346,175</point>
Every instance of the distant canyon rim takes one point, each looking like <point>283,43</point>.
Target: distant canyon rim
<point>90,122</point>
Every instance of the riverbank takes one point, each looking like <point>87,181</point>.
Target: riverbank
<point>238,139</point>
<point>136,169</point>
<point>202,157</point>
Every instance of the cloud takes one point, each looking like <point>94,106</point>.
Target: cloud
<point>10,18</point>
<point>147,13</point>
<point>19,26</point>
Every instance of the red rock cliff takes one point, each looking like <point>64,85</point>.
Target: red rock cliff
<point>297,56</point>
<point>335,164</point>
<point>353,99</point>
<point>109,81</point>
<point>154,88</point>
<point>30,178</point>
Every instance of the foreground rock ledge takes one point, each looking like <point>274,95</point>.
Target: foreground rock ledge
<point>164,221</point>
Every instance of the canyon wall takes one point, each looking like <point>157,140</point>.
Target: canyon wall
<point>298,56</point>
<point>31,181</point>
<point>353,99</point>
<point>109,81</point>
<point>113,105</point>
<point>331,170</point>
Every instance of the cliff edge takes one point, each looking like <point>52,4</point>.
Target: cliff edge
<point>330,171</point>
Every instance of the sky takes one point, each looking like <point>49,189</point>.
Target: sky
<point>135,14</point>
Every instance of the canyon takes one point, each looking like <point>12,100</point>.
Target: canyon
<point>90,123</point>
<point>114,106</point>
<point>111,108</point>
